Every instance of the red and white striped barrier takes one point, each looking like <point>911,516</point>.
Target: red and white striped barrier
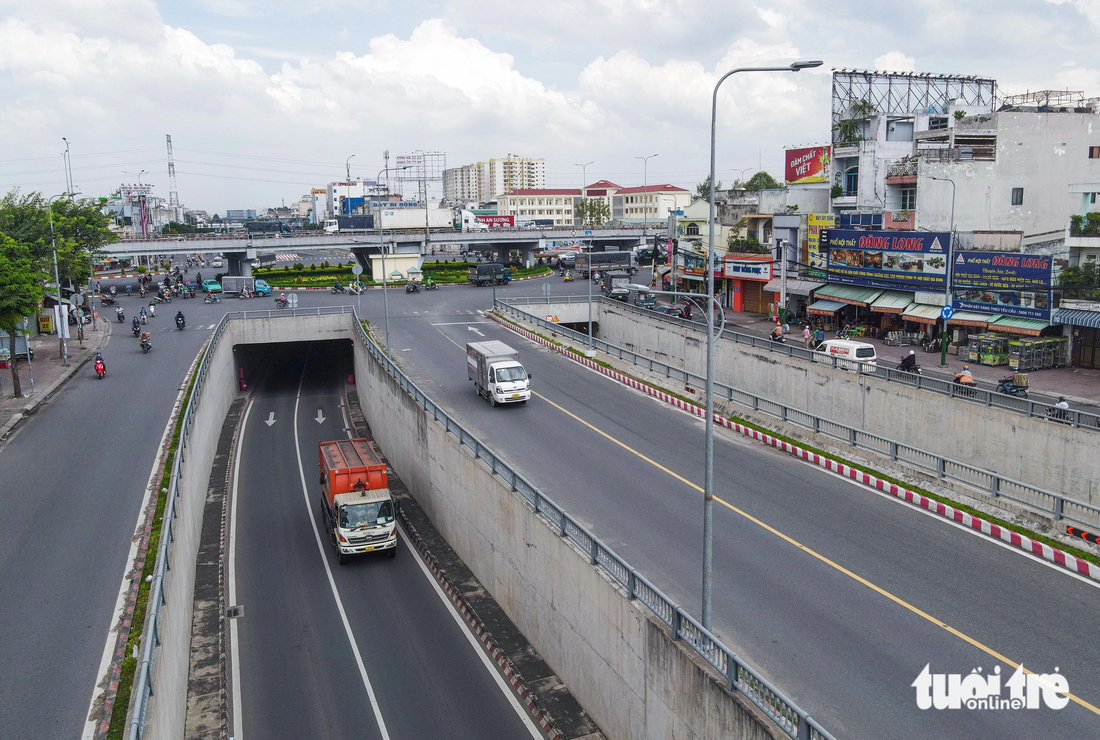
<point>1052,554</point>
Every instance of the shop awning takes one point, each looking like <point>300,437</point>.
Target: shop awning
<point>1017,325</point>
<point>825,308</point>
<point>970,318</point>
<point>922,313</point>
<point>855,295</point>
<point>1074,317</point>
<point>697,278</point>
<point>794,287</point>
<point>892,301</point>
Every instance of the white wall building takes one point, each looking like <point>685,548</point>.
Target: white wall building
<point>460,184</point>
<point>504,175</point>
<point>530,204</point>
<point>652,203</point>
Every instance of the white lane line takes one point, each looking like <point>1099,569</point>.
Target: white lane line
<point>116,615</point>
<point>211,326</point>
<point>328,571</point>
<point>234,642</point>
<point>465,628</point>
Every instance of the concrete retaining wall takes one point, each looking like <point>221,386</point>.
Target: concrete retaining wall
<point>621,663</point>
<point>1051,456</point>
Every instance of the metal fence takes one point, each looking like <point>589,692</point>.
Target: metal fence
<point>997,485</point>
<point>1071,417</point>
<point>739,675</point>
<point>144,679</point>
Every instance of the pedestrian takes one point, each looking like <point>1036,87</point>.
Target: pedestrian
<point>806,335</point>
<point>819,335</point>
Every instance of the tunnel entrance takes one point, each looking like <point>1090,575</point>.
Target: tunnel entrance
<point>277,367</point>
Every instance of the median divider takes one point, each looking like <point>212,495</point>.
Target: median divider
<point>1052,554</point>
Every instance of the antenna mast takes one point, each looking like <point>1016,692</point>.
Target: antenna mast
<point>173,191</point>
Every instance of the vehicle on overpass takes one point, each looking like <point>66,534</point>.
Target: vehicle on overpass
<point>358,510</point>
<point>268,228</point>
<point>497,373</point>
<point>605,261</point>
<point>491,273</point>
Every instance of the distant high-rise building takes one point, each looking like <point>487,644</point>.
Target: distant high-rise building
<point>240,215</point>
<point>460,184</point>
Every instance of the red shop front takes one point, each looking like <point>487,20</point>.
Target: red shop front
<point>745,280</point>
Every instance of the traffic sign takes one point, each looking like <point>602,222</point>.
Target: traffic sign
<point>572,233</point>
<point>588,233</point>
<point>292,299</point>
<point>546,289</point>
<point>356,269</point>
<point>947,312</point>
<point>78,299</point>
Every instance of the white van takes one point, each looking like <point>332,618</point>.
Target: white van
<point>850,355</point>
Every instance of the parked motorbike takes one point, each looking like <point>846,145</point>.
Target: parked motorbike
<point>1008,385</point>
<point>100,367</point>
<point>338,289</point>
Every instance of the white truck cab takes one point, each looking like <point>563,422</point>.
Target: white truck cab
<point>331,226</point>
<point>497,373</point>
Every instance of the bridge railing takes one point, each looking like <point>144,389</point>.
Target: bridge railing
<point>1060,507</point>
<point>1072,417</point>
<point>739,675</point>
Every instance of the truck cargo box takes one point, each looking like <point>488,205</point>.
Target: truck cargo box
<point>348,465</point>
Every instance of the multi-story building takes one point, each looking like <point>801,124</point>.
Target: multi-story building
<point>460,185</point>
<point>507,174</point>
<point>529,204</point>
<point>648,203</point>
<point>240,214</point>
<point>629,205</point>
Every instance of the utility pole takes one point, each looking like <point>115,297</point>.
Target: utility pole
<point>68,168</point>
<point>645,190</point>
<point>61,314</point>
<point>173,191</point>
<point>950,267</point>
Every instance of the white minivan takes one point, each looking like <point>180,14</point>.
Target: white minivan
<point>849,354</point>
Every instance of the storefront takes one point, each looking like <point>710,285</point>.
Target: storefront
<point>855,302</point>
<point>798,294</point>
<point>745,281</point>
<point>920,317</point>
<point>1084,334</point>
<point>886,311</point>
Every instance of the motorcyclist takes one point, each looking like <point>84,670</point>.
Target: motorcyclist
<point>428,282</point>
<point>777,333</point>
<point>152,308</point>
<point>180,321</point>
<point>119,313</point>
<point>908,362</point>
<point>337,286</point>
<point>282,298</point>
<point>136,324</point>
<point>1062,403</point>
<point>964,376</point>
<point>143,315</point>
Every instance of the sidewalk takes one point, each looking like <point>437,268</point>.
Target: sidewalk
<point>1078,385</point>
<point>48,372</point>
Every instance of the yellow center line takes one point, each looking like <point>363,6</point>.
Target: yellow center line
<point>897,600</point>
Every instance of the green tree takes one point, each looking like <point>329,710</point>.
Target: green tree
<point>80,229</point>
<point>20,293</point>
<point>175,227</point>
<point>702,190</point>
<point>593,212</point>
<point>762,181</point>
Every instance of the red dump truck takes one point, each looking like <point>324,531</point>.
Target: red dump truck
<point>356,504</point>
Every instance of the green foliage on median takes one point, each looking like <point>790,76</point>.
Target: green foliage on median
<point>1068,549</point>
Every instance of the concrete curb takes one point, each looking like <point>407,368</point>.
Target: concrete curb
<point>1069,562</point>
<point>484,637</point>
<point>50,389</point>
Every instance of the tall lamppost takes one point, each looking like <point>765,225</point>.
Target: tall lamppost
<point>584,169</point>
<point>68,168</point>
<point>742,171</point>
<point>645,190</point>
<point>61,314</point>
<point>382,248</point>
<point>950,267</point>
<point>708,468</point>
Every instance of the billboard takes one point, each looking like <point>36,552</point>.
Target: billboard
<point>748,269</point>
<point>815,258</point>
<point>913,260</point>
<point>810,164</point>
<point>498,222</point>
<point>1006,283</point>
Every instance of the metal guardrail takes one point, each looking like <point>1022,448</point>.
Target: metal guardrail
<point>150,636</point>
<point>739,675</point>
<point>997,485</point>
<point>1071,417</point>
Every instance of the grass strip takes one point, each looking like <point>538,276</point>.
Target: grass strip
<point>1069,549</point>
<point>128,672</point>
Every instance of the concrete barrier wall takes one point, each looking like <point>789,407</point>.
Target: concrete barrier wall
<point>622,664</point>
<point>1051,456</point>
<point>167,706</point>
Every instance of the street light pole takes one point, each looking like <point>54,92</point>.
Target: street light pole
<point>61,315</point>
<point>645,191</point>
<point>708,469</point>
<point>68,168</point>
<point>584,169</point>
<point>950,267</point>
<point>382,249</point>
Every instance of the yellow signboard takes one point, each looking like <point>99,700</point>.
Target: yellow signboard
<point>816,258</point>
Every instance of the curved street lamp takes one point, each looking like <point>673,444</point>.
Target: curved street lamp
<point>708,468</point>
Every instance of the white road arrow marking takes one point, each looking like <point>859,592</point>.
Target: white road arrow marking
<point>270,419</point>
<point>475,331</point>
<point>320,417</point>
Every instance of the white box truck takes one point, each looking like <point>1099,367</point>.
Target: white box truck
<point>413,218</point>
<point>497,374</point>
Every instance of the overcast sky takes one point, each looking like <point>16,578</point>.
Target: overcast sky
<point>266,98</point>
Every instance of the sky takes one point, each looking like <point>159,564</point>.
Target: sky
<point>265,99</point>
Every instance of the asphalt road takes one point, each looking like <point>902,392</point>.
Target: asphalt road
<point>73,480</point>
<point>299,675</point>
<point>843,650</point>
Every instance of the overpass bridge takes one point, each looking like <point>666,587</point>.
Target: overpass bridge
<point>405,249</point>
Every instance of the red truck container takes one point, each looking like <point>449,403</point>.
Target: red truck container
<point>358,509</point>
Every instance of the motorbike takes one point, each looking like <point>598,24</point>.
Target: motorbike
<point>129,290</point>
<point>136,327</point>
<point>152,309</point>
<point>338,289</point>
<point>780,339</point>
<point>431,286</point>
<point>142,291</point>
<point>211,298</point>
<point>1054,413</point>
<point>162,298</point>
<point>120,315</point>
<point>246,293</point>
<point>180,323</point>
<point>100,368</point>
<point>568,278</point>
<point>282,302</point>
<point>144,317</point>
<point>412,287</point>
<point>355,288</point>
<point>1009,385</point>
<point>146,342</point>
<point>107,300</point>
<point>914,369</point>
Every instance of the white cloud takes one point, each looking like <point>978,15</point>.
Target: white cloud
<point>895,61</point>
